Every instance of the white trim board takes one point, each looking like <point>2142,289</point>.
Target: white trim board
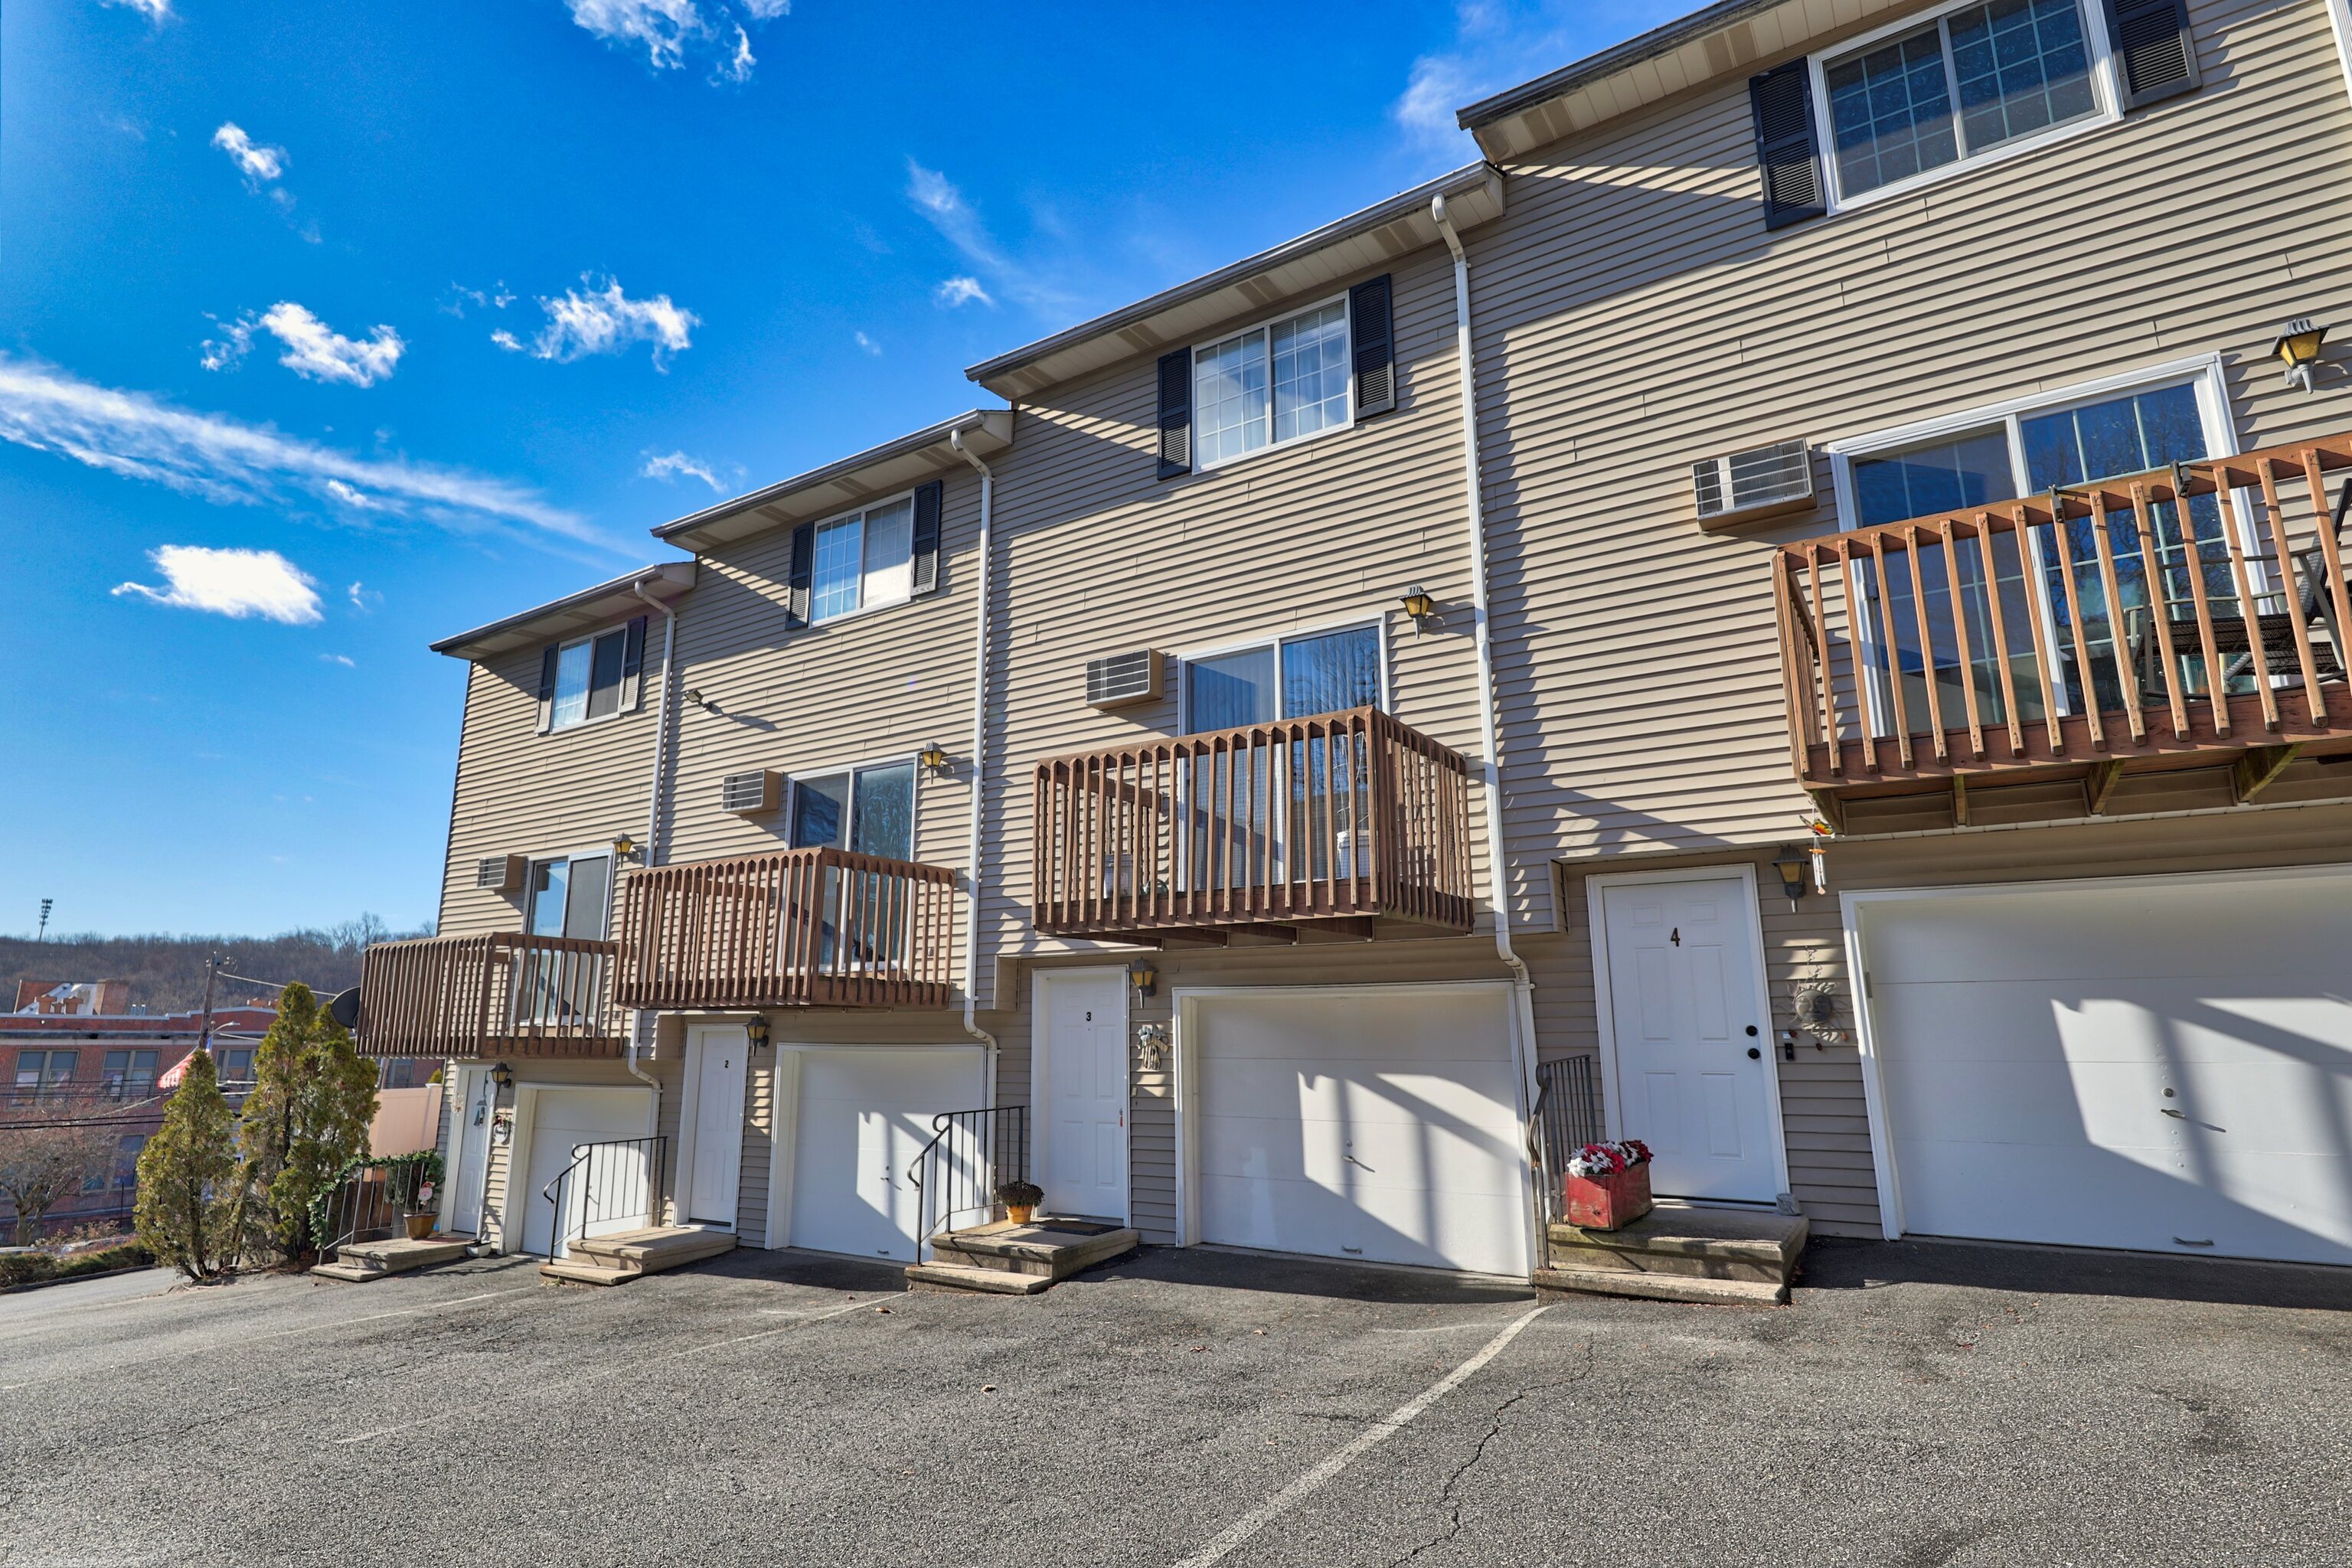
<point>1040,1047</point>
<point>1183,1065</point>
<point>1852,907</point>
<point>1604,1005</point>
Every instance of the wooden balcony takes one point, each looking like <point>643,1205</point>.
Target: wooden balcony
<point>1985,646</point>
<point>799,928</point>
<point>500,994</point>
<point>1335,823</point>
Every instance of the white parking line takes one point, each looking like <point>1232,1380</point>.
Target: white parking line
<point>1378,1432</point>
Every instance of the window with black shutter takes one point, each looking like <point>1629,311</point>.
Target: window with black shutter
<point>803,571</point>
<point>1781,102</point>
<point>925,544</point>
<point>547,688</point>
<point>1375,351</point>
<point>1175,413</point>
<point>2155,54</point>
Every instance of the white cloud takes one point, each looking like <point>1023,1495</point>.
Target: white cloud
<point>937,198</point>
<point>669,465</point>
<point>155,11</point>
<point>497,297</point>
<point>357,500</point>
<point>258,162</point>
<point>961,291</point>
<point>868,344</point>
<point>241,585</point>
<point>668,29</point>
<point>343,660</point>
<point>316,353</point>
<point>593,321</point>
<point>1498,42</point>
<point>364,599</point>
<point>227,351</point>
<point>225,461</point>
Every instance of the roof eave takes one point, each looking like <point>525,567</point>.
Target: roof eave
<point>848,482</point>
<point>601,604</point>
<point>1253,284</point>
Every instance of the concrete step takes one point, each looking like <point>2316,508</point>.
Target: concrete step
<point>1048,1249</point>
<point>363,1261</point>
<point>1729,1245</point>
<point>654,1248</point>
<point>586,1273</point>
<point>1552,1283</point>
<point>962,1277</point>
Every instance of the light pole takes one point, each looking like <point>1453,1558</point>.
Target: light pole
<point>43,934</point>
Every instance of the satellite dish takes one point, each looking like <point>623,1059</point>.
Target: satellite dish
<point>345,1008</point>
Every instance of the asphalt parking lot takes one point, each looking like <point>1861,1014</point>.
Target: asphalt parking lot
<point>1921,1403</point>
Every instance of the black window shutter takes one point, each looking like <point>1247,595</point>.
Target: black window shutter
<point>1175,413</point>
<point>796,598</point>
<point>2153,49</point>
<point>1782,102</point>
<point>927,537</point>
<point>547,686</point>
<point>632,666</point>
<point>1369,335</point>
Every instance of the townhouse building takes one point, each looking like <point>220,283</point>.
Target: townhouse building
<point>1794,611</point>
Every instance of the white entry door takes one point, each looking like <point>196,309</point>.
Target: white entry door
<point>864,1115</point>
<point>563,1120</point>
<point>717,1163</point>
<point>1082,1094</point>
<point>1379,1123</point>
<point>2162,1064</point>
<point>1693,1059</point>
<point>469,1116</point>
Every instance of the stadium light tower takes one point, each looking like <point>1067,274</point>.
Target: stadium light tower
<point>43,934</point>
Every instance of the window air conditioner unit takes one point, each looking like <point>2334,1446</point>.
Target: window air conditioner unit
<point>1764,481</point>
<point>1123,678</point>
<point>748,794</point>
<point>500,873</point>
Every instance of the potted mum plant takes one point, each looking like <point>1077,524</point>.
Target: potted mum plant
<point>420,1217</point>
<point>1020,1199</point>
<point>1608,1184</point>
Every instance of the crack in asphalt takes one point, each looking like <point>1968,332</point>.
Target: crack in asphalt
<point>1445,1494</point>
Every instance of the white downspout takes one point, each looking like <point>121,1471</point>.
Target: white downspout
<point>1489,728</point>
<point>653,813</point>
<point>978,759</point>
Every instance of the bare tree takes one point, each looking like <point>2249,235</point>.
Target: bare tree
<point>49,1153</point>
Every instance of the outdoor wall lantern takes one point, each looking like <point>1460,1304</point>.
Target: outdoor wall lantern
<point>1143,977</point>
<point>1791,862</point>
<point>625,847</point>
<point>756,1026</point>
<point>2297,348</point>
<point>503,1076</point>
<point>934,757</point>
<point>1419,604</point>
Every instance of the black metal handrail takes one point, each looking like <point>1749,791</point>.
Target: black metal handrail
<point>372,1205</point>
<point>957,1173</point>
<point>1567,1117</point>
<point>619,1179</point>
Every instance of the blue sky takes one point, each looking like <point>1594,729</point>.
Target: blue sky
<point>329,328</point>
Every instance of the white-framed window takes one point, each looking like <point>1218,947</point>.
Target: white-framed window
<point>236,1065</point>
<point>862,561</point>
<point>1986,78</point>
<point>1282,381</point>
<point>43,1072</point>
<point>130,1073</point>
<point>593,677</point>
<point>568,896</point>
<point>2129,423</point>
<point>1291,677</point>
<point>869,810</point>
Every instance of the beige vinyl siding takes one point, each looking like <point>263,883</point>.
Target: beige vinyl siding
<point>523,793</point>
<point>759,1152</point>
<point>1098,556</point>
<point>1633,316</point>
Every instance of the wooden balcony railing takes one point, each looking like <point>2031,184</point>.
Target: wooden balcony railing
<point>1344,816</point>
<point>823,928</point>
<point>2143,620</point>
<point>500,994</point>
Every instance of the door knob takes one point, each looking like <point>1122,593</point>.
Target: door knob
<point>1754,1055</point>
<point>1751,1031</point>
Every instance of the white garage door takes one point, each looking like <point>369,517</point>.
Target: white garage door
<point>864,1116</point>
<point>2165,1067</point>
<point>1379,1124</point>
<point>561,1119</point>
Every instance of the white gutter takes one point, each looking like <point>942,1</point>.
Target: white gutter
<point>653,813</point>
<point>1489,729</point>
<point>979,758</point>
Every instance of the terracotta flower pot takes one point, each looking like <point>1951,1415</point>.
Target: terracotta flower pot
<point>1608,1203</point>
<point>1019,1213</point>
<point>420,1226</point>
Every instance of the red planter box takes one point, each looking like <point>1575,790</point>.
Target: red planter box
<point>1607,1203</point>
